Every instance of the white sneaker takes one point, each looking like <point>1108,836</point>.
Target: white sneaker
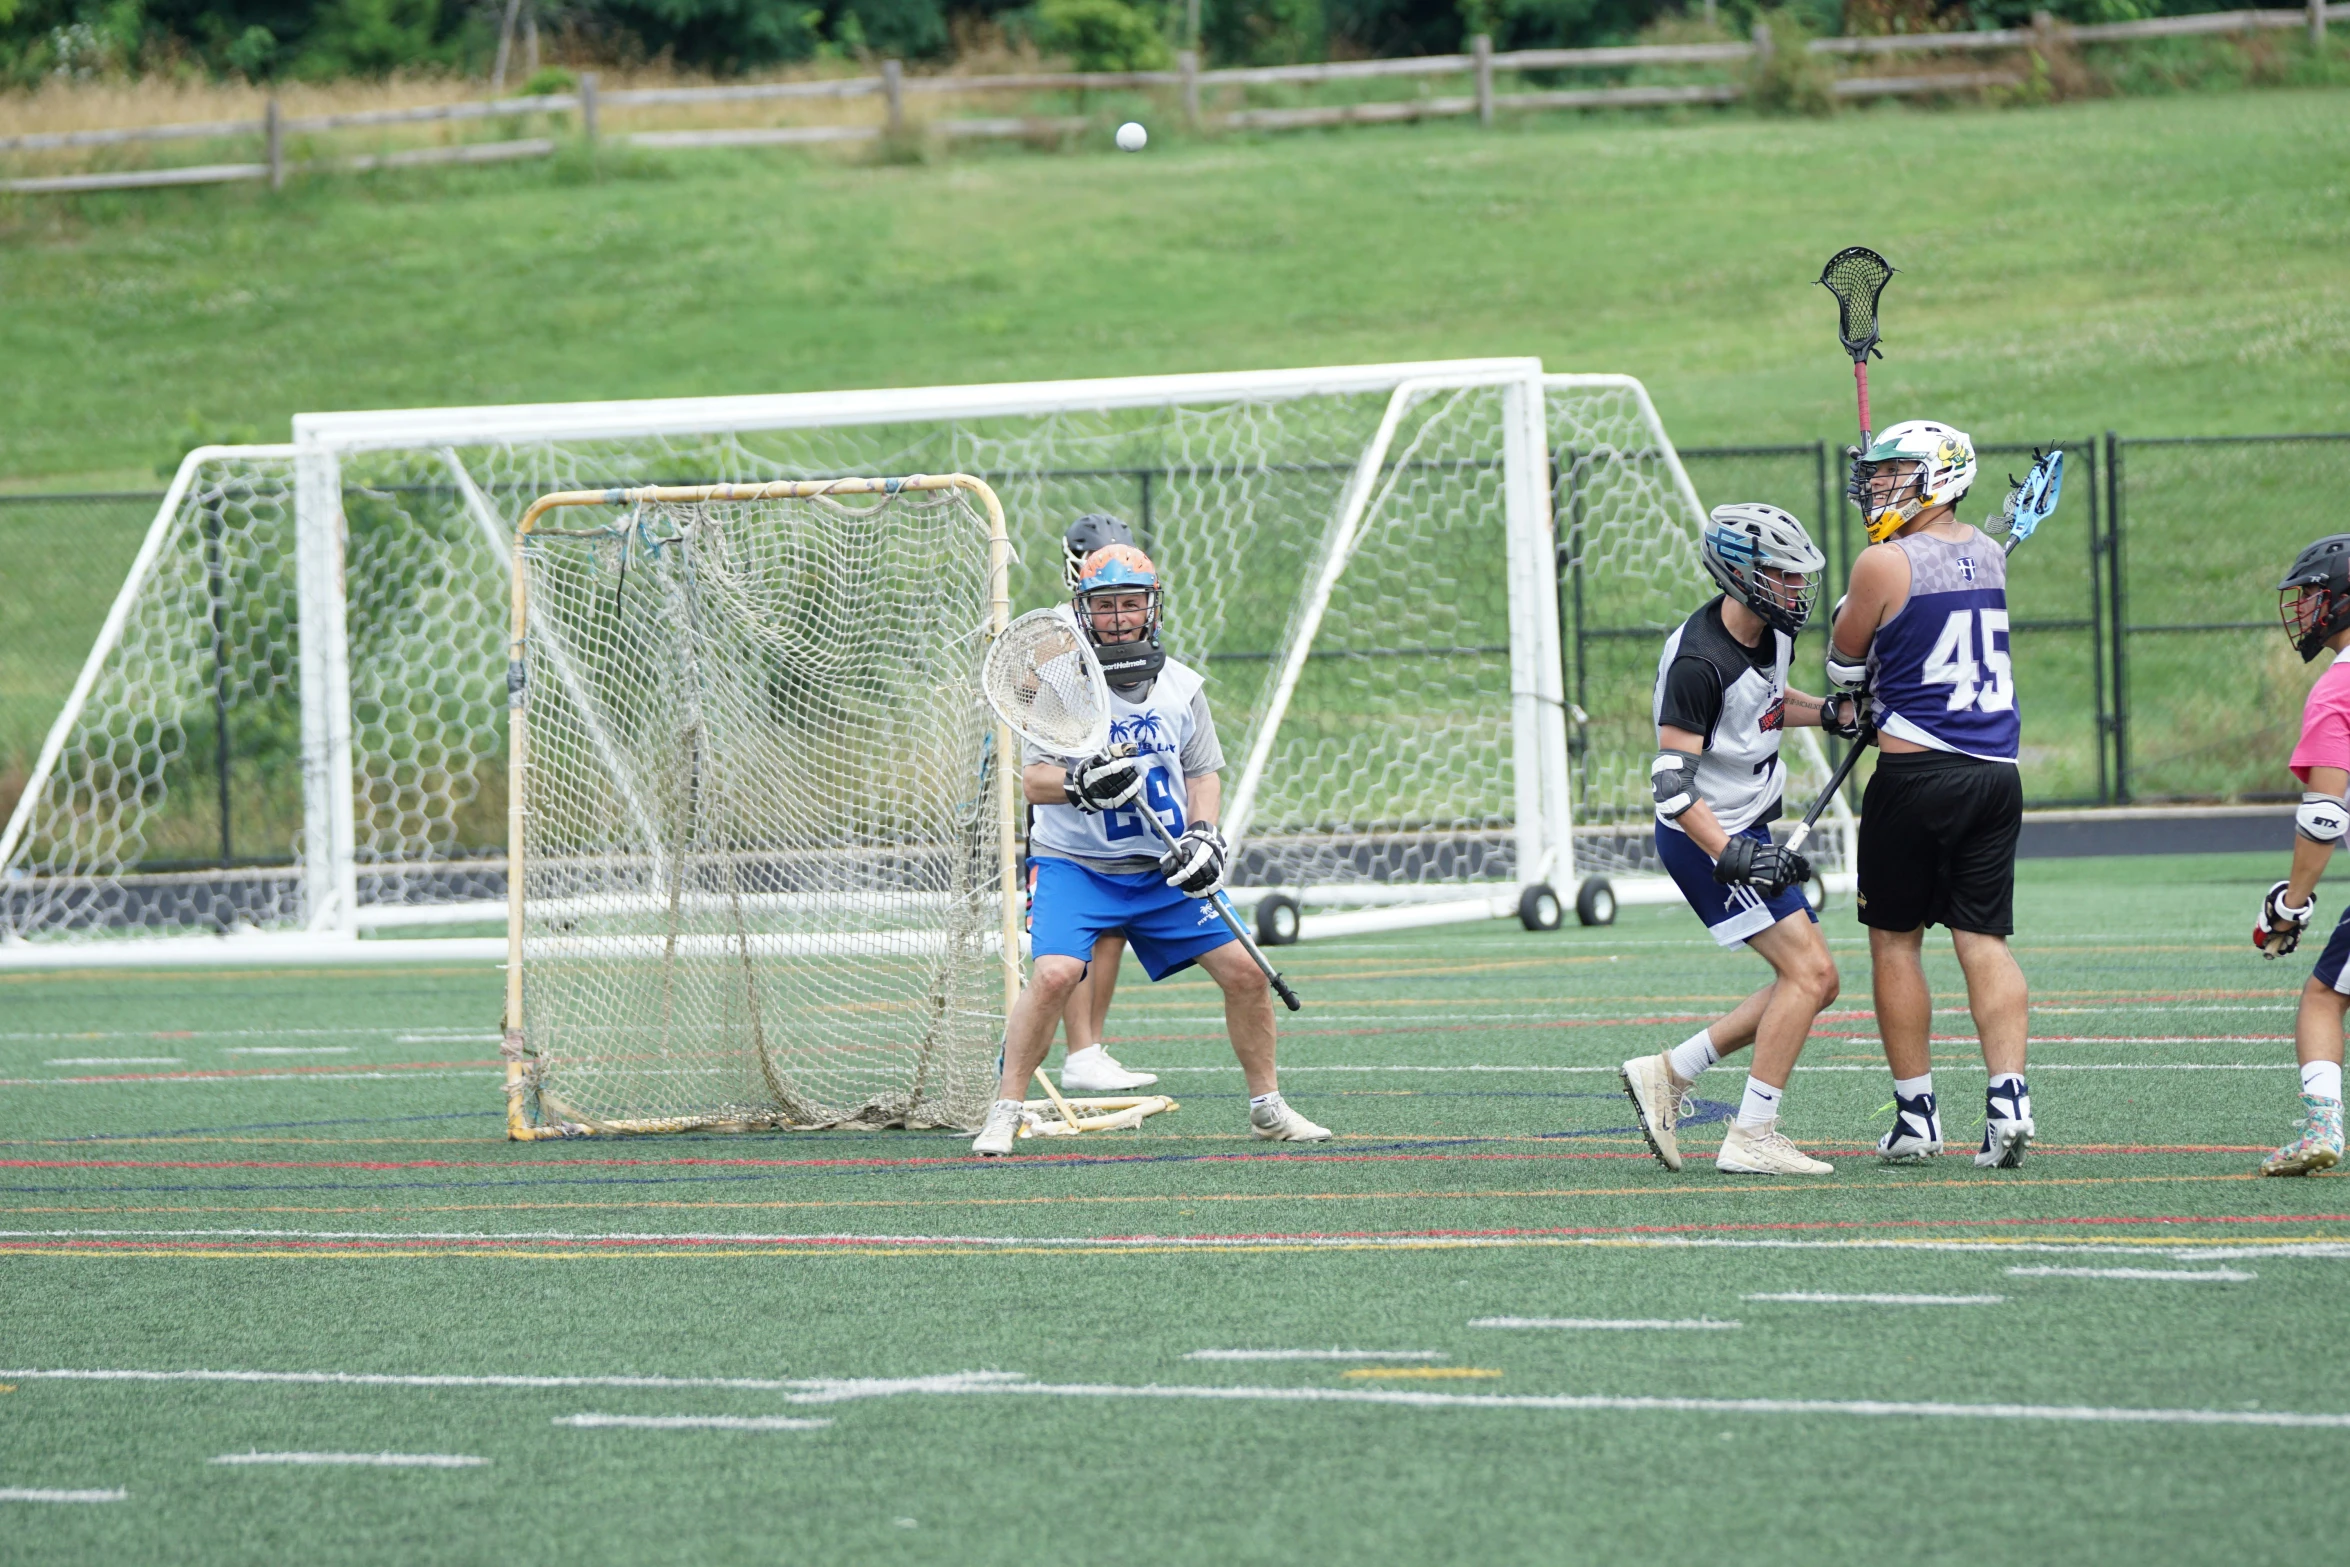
<point>1765,1152</point>
<point>1003,1125</point>
<point>1096,1071</point>
<point>1917,1132</point>
<point>1276,1122</point>
<point>2004,1142</point>
<point>1656,1100</point>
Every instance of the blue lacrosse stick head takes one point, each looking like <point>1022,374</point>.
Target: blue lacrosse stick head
<point>2033,500</point>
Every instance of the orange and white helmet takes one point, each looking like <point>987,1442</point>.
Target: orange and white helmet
<point>1129,654</point>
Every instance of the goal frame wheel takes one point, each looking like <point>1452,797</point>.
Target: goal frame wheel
<point>1595,902</point>
<point>1279,920</point>
<point>1539,907</point>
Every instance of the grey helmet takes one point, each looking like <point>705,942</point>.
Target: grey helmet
<point>1093,531</point>
<point>1743,541</point>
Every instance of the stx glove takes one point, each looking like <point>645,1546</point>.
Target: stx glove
<point>1195,866</point>
<point>1766,867</point>
<point>1107,781</point>
<point>1854,725</point>
<point>2278,930</point>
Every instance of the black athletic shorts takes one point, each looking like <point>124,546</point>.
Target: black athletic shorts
<point>1937,843</point>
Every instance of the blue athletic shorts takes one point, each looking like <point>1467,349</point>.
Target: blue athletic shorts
<point>1733,914</point>
<point>2337,953</point>
<point>1071,905</point>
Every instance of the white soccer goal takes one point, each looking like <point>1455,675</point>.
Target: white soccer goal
<point>1364,560</point>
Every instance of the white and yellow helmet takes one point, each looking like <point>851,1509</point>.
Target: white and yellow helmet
<point>1946,471</point>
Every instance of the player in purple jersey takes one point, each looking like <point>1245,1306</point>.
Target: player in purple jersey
<point>1924,631</point>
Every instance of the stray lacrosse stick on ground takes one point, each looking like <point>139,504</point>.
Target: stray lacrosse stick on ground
<point>1856,276</point>
<point>1042,678</point>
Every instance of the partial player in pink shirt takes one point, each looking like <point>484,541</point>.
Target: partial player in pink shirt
<point>2314,601</point>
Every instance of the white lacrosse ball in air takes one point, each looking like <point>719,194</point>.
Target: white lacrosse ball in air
<point>1132,137</point>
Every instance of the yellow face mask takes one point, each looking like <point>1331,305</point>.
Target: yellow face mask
<point>1884,511</point>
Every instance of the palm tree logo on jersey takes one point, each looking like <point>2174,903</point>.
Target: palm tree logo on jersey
<point>1147,731</point>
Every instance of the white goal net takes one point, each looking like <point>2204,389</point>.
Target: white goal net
<point>765,847</point>
<point>1425,701</point>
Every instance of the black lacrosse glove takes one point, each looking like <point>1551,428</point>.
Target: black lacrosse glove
<point>1195,866</point>
<point>2278,930</point>
<point>1107,781</point>
<point>1854,727</point>
<point>1768,868</point>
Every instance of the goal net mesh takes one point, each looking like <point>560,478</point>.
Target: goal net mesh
<point>1392,769</point>
<point>761,866</point>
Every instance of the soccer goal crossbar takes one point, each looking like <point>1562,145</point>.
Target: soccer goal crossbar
<point>1370,563</point>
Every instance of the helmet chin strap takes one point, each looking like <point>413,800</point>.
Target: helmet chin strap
<point>1126,665</point>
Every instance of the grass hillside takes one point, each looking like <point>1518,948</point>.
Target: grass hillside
<point>2157,265</point>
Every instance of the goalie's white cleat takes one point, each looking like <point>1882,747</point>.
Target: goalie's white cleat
<point>1656,1100</point>
<point>1003,1126</point>
<point>1765,1151</point>
<point>1276,1122</point>
<point>1096,1071</point>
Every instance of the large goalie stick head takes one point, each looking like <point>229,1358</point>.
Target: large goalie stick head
<point>2313,600</point>
<point>1041,678</point>
<point>1856,276</point>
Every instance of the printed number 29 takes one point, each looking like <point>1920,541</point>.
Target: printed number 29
<point>1127,824</point>
<point>1987,687</point>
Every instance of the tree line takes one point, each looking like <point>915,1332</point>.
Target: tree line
<point>266,40</point>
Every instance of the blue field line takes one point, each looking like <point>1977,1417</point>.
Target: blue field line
<point>277,1126</point>
<point>997,1169</point>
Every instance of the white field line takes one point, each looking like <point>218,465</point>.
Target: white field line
<point>2230,1251</point>
<point>1317,1354</point>
<point>2182,1275</point>
<point>289,1050</point>
<point>1818,1298</point>
<point>1605,1324</point>
<point>26,1493</point>
<point>1958,1066</point>
<point>150,1036</point>
<point>446,1039</point>
<point>825,1390</point>
<point>694,1422</point>
<point>204,1080</point>
<point>113,1061</point>
<point>366,1460</point>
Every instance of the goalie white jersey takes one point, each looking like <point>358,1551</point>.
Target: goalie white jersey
<point>1170,727</point>
<point>1711,684</point>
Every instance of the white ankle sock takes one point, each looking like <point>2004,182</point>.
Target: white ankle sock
<point>1693,1055</point>
<point>1760,1107</point>
<point>1919,1087</point>
<point>1259,1101</point>
<point>2322,1079</point>
<point>1089,1054</point>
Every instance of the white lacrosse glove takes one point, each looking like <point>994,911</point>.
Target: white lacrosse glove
<point>2278,930</point>
<point>1107,781</point>
<point>1195,866</point>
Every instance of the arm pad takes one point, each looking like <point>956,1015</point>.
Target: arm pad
<point>1674,775</point>
<point>1846,675</point>
<point>2323,818</point>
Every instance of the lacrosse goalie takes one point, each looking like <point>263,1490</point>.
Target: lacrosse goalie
<point>2314,601</point>
<point>1097,865</point>
<point>1923,633</point>
<point>1720,708</point>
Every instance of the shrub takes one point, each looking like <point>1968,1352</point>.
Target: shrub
<point>1102,35</point>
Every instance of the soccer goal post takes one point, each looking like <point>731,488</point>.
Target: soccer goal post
<point>1365,561</point>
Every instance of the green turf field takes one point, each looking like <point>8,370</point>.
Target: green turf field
<point>2154,265</point>
<point>299,1179</point>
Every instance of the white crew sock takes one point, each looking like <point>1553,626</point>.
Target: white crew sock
<point>1760,1107</point>
<point>1693,1055</point>
<point>1919,1087</point>
<point>1085,1057</point>
<point>2322,1079</point>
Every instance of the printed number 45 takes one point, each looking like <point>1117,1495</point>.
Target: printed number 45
<point>1988,686</point>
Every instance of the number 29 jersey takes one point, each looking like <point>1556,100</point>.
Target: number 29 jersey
<point>1940,669</point>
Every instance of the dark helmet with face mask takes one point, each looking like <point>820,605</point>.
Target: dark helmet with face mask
<point>1093,531</point>
<point>2314,599</point>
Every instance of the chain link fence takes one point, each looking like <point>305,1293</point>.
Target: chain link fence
<point>2145,638</point>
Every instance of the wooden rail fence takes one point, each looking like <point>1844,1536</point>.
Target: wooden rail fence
<point>894,87</point>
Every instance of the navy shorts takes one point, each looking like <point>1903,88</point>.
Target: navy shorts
<point>2336,955</point>
<point>1071,905</point>
<point>1733,914</point>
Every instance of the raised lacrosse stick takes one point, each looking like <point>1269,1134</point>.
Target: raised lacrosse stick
<point>2031,500</point>
<point>1856,276</point>
<point>1042,678</point>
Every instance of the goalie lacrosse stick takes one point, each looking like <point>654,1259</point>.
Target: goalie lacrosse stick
<point>1856,276</point>
<point>1042,678</point>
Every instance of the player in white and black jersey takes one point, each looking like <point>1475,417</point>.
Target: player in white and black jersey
<point>1721,706</point>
